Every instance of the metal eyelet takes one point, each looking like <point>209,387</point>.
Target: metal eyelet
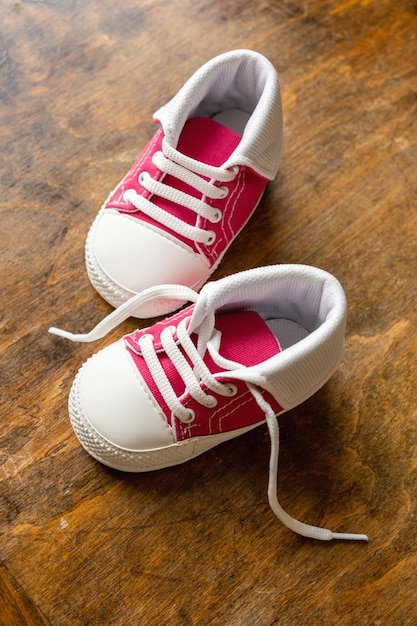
<point>157,155</point>
<point>217,216</point>
<point>225,192</point>
<point>172,330</point>
<point>188,418</point>
<point>145,336</point>
<point>211,237</point>
<point>211,402</point>
<point>141,178</point>
<point>231,389</point>
<point>126,195</point>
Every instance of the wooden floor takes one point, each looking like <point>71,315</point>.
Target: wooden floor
<point>198,544</point>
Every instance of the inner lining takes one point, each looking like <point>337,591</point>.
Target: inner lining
<point>235,119</point>
<point>286,331</point>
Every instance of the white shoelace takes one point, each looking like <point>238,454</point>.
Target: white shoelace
<point>189,171</point>
<point>194,374</point>
<point>128,309</point>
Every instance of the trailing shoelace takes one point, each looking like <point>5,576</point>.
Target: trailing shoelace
<point>197,372</point>
<point>189,171</point>
<point>130,308</point>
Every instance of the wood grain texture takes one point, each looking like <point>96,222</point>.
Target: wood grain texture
<point>197,544</point>
<point>16,608</point>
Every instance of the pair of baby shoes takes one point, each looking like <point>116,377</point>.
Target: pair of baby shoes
<point>249,346</point>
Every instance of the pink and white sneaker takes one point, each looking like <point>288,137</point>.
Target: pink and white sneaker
<point>195,185</point>
<point>252,346</point>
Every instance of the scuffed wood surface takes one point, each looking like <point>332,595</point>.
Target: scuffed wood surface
<point>197,544</point>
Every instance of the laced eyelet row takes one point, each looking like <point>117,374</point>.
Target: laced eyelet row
<point>198,175</point>
<point>217,213</point>
<point>211,403</point>
<point>201,394</point>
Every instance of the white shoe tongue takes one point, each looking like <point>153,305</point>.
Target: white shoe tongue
<point>245,338</point>
<point>207,141</point>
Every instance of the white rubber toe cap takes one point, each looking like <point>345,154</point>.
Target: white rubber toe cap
<point>136,256</point>
<point>115,401</point>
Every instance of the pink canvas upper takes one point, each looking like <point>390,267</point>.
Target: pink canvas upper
<point>246,339</point>
<point>207,141</point>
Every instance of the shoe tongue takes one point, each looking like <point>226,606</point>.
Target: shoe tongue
<point>245,338</point>
<point>207,141</point>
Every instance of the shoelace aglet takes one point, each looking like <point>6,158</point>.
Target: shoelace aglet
<point>324,534</point>
<point>349,537</point>
<point>67,335</point>
<point>316,532</point>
